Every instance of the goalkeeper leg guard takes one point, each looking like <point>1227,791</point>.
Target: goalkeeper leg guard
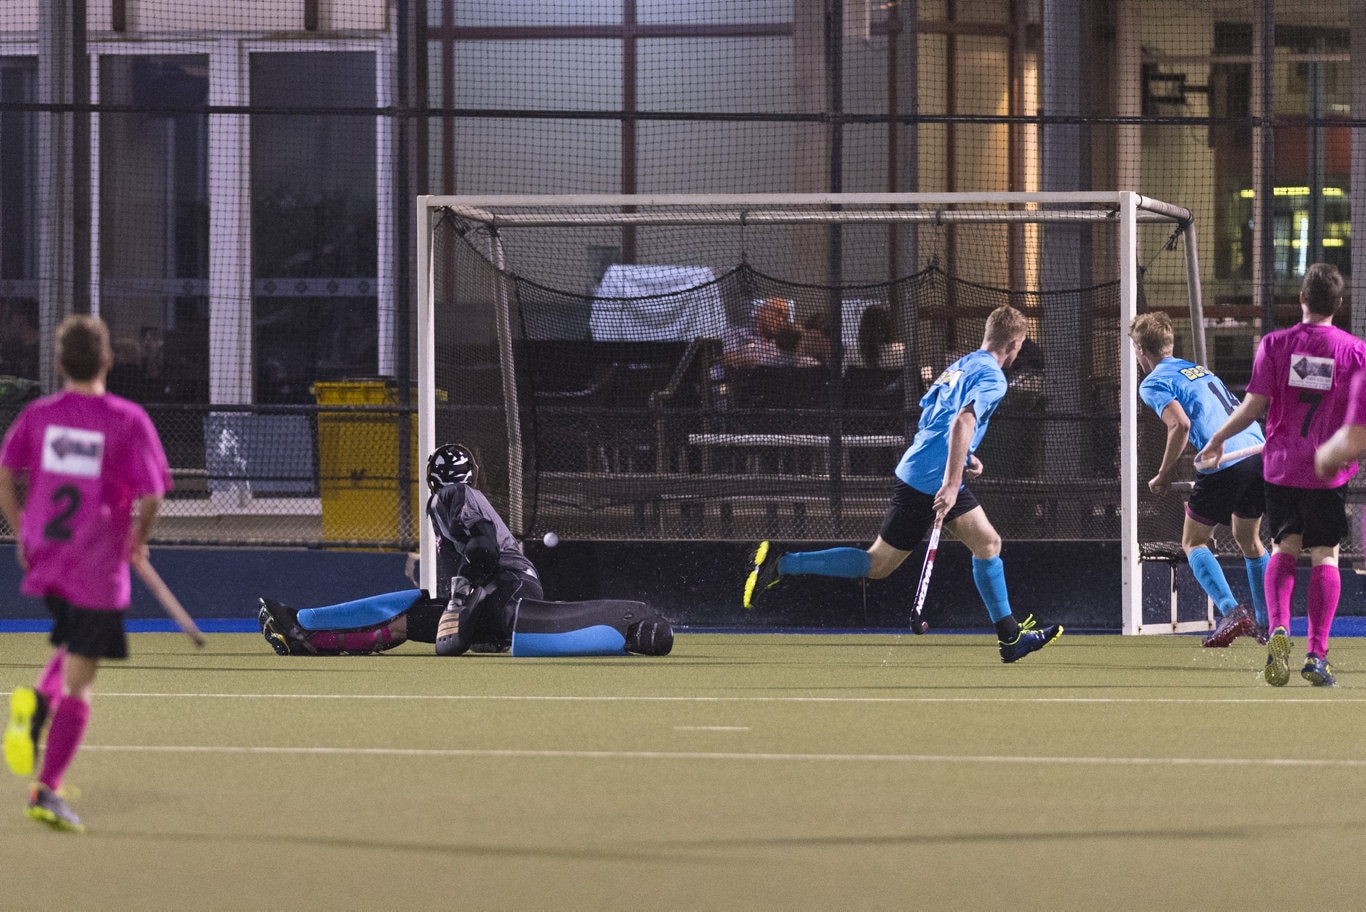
<point>360,614</point>
<point>599,627</point>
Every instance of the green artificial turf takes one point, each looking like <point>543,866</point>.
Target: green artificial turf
<point>741,772</point>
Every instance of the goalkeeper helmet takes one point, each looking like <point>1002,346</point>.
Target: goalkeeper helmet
<point>451,464</point>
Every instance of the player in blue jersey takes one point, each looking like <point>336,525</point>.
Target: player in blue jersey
<point>930,484</point>
<point>1193,403</point>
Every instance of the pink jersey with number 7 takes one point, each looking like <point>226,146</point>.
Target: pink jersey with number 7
<point>87,459</point>
<point>1306,372</point>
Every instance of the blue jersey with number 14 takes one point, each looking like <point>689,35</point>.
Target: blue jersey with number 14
<point>1205,399</point>
<point>975,379</point>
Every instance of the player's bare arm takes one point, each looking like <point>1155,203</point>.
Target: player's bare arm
<point>1178,430</point>
<point>1249,410</point>
<point>960,437</point>
<point>1346,445</point>
<point>13,512</point>
<point>141,531</point>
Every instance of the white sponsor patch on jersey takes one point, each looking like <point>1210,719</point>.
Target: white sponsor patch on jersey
<point>72,451</point>
<point>949,378</point>
<point>1311,372</point>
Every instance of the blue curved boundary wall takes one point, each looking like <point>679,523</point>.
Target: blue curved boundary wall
<point>696,585</point>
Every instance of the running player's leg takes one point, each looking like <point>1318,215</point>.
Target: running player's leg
<point>89,636</point>
<point>1325,525</point>
<point>1016,639</point>
<point>29,711</point>
<point>1246,523</point>
<point>1234,620</point>
<point>1212,502</point>
<point>769,565</point>
<point>1247,533</point>
<point>908,518</point>
<point>1284,522</point>
<point>1195,537</point>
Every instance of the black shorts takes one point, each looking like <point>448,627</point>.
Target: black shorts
<point>88,632</point>
<point>911,515</point>
<point>1318,515</point>
<point>1235,491</point>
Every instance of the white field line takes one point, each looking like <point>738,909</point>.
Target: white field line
<point>723,756</point>
<point>1270,700</point>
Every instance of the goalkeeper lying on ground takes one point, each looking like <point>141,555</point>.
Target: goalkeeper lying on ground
<point>488,599</point>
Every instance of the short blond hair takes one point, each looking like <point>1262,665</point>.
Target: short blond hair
<point>1003,325</point>
<point>1153,333</point>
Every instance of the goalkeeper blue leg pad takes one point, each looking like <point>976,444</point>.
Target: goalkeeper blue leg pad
<point>591,628</point>
<point>366,612</point>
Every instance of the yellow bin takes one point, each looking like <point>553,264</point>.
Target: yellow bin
<point>358,464</point>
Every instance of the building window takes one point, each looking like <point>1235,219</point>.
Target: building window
<point>154,226</point>
<point>313,214</point>
<point>18,222</point>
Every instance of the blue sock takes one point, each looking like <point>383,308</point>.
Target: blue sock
<point>1256,581</point>
<point>990,577</point>
<point>1211,578</point>
<point>849,563</point>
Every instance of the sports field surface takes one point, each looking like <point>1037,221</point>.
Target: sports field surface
<point>744,771</point>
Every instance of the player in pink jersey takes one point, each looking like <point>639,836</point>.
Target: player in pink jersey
<point>90,458</point>
<point>1301,380</point>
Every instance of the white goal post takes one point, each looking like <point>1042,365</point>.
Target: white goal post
<point>1126,210</point>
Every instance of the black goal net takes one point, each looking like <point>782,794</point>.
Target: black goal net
<point>696,382</point>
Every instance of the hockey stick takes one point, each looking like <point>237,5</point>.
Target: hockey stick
<point>1236,454</point>
<point>918,624</point>
<point>169,603</point>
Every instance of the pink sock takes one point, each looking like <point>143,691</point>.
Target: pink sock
<point>1280,586</point>
<point>63,738</point>
<point>50,681</point>
<point>1325,586</point>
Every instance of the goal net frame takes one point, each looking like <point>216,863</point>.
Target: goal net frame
<point>1125,208</point>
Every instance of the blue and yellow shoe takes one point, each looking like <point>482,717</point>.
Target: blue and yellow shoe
<point>46,806</point>
<point>1028,640</point>
<point>27,710</point>
<point>1318,672</point>
<point>1277,670</point>
<point>765,572</point>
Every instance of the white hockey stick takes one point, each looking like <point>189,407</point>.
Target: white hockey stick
<point>1236,454</point>
<point>918,624</point>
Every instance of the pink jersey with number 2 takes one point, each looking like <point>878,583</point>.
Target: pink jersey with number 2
<point>87,459</point>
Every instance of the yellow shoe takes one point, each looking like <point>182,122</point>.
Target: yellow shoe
<point>20,743</point>
<point>1277,671</point>
<point>765,572</point>
<point>46,806</point>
